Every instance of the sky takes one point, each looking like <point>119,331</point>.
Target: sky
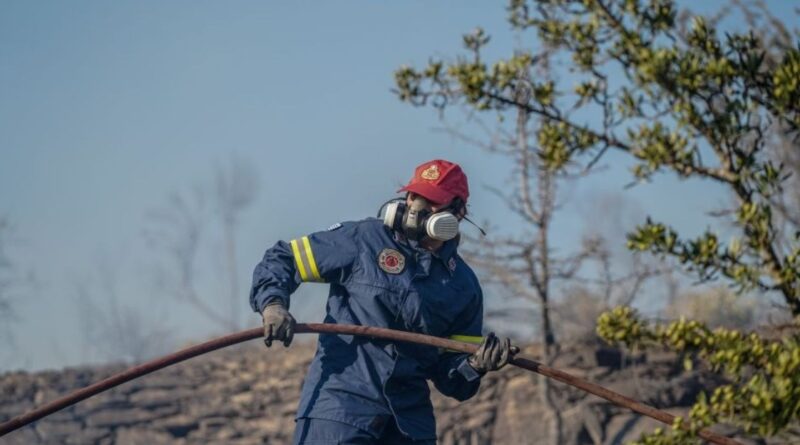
<point>108,107</point>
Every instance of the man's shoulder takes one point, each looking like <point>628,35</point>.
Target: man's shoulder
<point>366,226</point>
<point>361,224</point>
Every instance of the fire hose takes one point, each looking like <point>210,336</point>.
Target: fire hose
<point>367,331</point>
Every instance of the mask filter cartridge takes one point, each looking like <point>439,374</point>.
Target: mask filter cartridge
<point>442,226</point>
<point>416,222</point>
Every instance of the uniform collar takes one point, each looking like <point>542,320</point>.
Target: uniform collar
<point>448,249</point>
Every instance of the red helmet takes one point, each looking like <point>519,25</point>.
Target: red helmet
<point>438,181</point>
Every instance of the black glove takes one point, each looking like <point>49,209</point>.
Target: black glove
<point>278,324</point>
<point>493,354</point>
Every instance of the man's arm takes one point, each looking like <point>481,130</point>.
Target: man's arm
<point>275,278</point>
<point>453,376</point>
<point>320,257</point>
<point>458,375</point>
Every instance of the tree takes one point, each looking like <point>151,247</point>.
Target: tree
<point>6,271</point>
<point>15,283</point>
<point>527,264</point>
<point>715,307</point>
<point>677,99</point>
<point>235,189</point>
<point>8,283</point>
<point>179,228</point>
<point>112,329</point>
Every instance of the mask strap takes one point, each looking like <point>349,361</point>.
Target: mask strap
<point>456,207</point>
<point>383,206</point>
<point>483,232</point>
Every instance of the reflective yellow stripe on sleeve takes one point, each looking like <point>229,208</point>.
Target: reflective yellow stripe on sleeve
<point>475,339</point>
<point>311,261</point>
<point>304,259</point>
<point>298,260</point>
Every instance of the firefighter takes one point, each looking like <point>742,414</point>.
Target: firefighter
<point>401,272</point>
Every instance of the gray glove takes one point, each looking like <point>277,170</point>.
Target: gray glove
<point>493,354</point>
<point>278,324</point>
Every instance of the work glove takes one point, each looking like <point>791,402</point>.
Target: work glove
<point>492,354</point>
<point>278,324</point>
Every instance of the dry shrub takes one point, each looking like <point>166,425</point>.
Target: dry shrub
<point>717,306</point>
<point>576,315</point>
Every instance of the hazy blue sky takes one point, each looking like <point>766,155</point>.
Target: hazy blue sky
<point>106,107</point>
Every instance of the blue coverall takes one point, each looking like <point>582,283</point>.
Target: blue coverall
<point>378,278</point>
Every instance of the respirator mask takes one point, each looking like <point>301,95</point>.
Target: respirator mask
<point>417,222</point>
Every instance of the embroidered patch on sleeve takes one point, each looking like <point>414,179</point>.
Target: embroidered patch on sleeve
<point>334,227</point>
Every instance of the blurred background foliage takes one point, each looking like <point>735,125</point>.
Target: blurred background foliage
<point>680,93</point>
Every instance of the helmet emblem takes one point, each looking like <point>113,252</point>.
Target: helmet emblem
<point>431,173</point>
<point>391,261</point>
